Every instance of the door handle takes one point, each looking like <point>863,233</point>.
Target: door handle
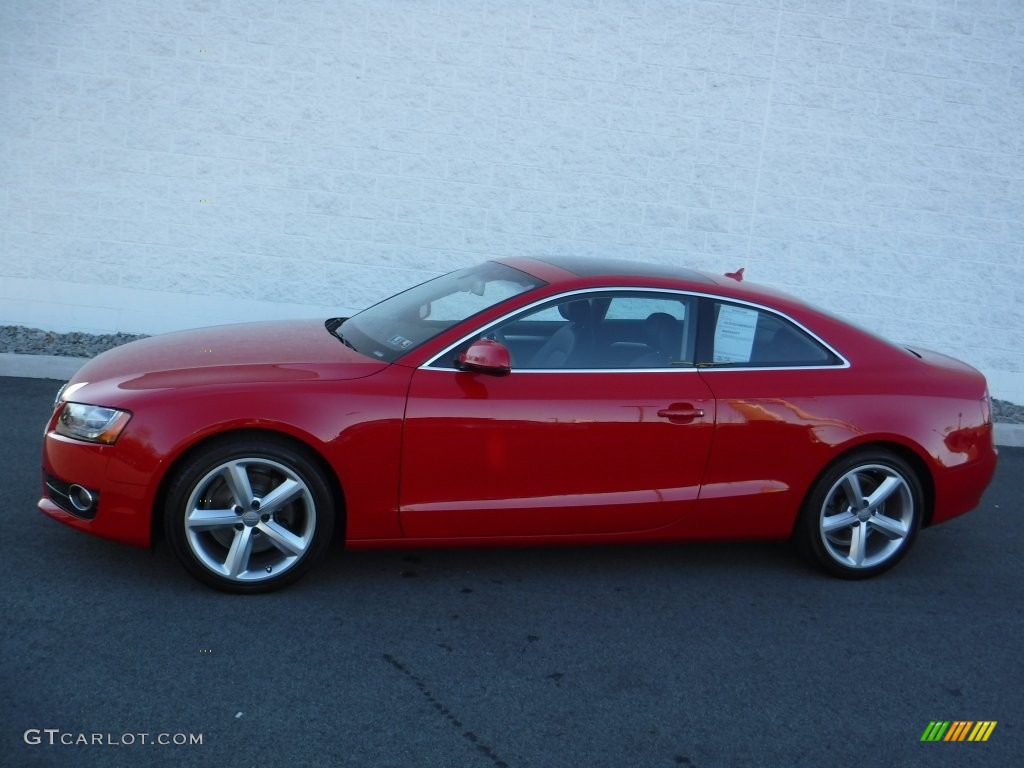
<point>681,413</point>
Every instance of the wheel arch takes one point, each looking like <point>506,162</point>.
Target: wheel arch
<point>905,452</point>
<point>204,443</point>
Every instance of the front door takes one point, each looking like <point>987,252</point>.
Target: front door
<point>616,443</point>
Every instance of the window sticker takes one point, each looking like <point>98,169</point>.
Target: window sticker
<point>734,334</point>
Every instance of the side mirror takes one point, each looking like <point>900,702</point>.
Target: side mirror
<point>486,356</point>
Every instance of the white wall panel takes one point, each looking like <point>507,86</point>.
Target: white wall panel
<point>171,165</point>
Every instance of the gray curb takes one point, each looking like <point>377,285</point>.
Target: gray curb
<point>1010,435</point>
<point>40,366</point>
<point>62,368</point>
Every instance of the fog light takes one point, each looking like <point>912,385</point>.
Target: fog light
<point>81,498</point>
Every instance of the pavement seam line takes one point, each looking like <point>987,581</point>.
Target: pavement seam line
<point>481,746</point>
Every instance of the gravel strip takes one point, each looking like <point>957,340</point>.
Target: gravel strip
<point>33,341</point>
<point>1005,412</point>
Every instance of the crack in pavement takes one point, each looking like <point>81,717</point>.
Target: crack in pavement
<point>481,746</point>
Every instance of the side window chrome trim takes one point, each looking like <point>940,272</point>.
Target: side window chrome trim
<point>433,363</point>
<point>522,371</point>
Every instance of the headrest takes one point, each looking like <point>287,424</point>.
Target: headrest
<point>577,312</point>
<point>661,331</point>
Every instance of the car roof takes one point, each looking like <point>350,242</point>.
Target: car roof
<point>560,269</point>
<point>583,266</point>
<point>604,271</point>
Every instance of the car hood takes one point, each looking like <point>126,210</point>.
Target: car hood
<point>248,352</point>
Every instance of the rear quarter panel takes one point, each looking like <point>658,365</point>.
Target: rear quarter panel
<point>777,430</point>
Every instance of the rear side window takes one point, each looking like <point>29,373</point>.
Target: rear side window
<point>748,336</point>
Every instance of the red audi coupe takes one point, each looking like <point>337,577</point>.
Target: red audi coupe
<point>522,401</point>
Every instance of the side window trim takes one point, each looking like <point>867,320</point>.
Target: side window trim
<point>702,332</point>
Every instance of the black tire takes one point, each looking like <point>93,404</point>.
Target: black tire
<point>249,514</point>
<point>862,514</point>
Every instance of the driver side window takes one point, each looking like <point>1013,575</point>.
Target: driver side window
<point>601,331</point>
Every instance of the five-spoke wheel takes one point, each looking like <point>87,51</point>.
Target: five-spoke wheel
<point>249,515</point>
<point>862,514</point>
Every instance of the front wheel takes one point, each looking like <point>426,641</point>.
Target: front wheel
<point>249,515</point>
<point>862,514</point>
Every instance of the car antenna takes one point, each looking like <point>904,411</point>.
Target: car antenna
<point>737,275</point>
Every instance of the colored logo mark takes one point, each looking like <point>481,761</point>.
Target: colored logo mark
<point>958,730</point>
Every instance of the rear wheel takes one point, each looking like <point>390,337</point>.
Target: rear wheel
<point>862,514</point>
<point>249,514</point>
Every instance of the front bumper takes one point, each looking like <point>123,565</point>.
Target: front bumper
<point>122,511</point>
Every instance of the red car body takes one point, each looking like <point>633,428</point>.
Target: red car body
<point>422,455</point>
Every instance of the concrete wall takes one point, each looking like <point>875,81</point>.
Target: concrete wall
<point>167,165</point>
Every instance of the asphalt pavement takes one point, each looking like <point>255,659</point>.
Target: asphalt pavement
<point>699,655</point>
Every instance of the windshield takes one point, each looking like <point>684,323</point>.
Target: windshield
<point>398,325</point>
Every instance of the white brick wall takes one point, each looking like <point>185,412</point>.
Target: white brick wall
<point>864,155</point>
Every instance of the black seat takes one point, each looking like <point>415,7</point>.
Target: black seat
<point>570,345</point>
<point>663,335</point>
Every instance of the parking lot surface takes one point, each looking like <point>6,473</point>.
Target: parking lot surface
<point>699,655</point>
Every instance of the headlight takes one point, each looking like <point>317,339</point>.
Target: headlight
<point>91,422</point>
